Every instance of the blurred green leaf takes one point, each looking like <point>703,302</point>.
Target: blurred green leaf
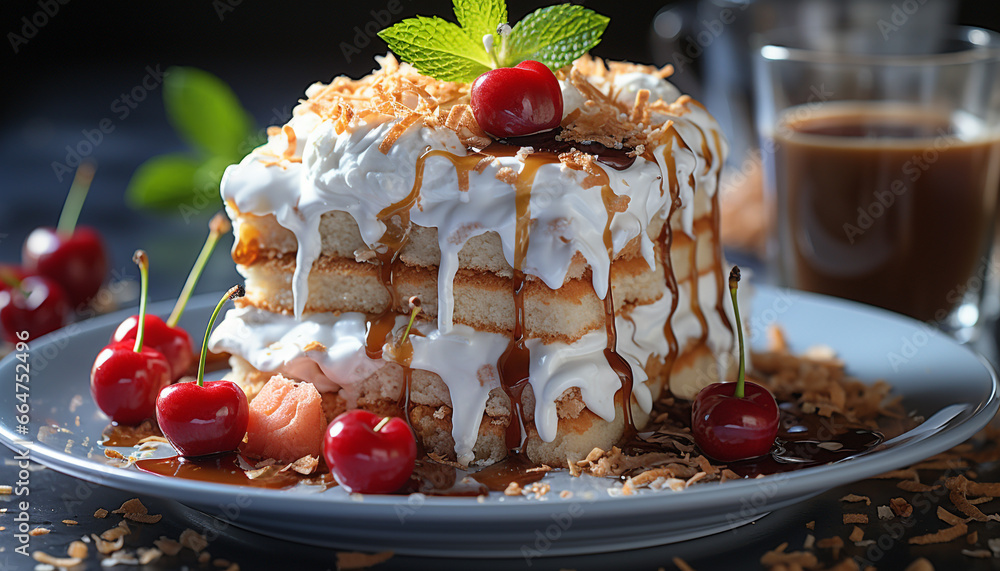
<point>163,182</point>
<point>205,111</point>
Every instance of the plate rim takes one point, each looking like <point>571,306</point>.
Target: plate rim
<point>799,482</point>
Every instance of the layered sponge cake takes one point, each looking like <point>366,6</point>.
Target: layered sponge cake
<point>554,277</point>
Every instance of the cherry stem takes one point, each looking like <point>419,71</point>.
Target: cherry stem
<point>415,304</point>
<point>8,277</point>
<point>216,228</point>
<point>734,281</point>
<point>74,200</point>
<point>233,293</point>
<point>381,424</point>
<point>142,260</point>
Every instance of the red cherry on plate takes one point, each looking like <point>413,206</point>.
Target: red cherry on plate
<point>34,304</point>
<point>728,428</point>
<point>173,342</point>
<point>369,454</point>
<point>124,382</point>
<point>516,101</point>
<point>734,421</point>
<point>202,420</point>
<point>77,261</point>
<point>127,376</point>
<point>73,256</point>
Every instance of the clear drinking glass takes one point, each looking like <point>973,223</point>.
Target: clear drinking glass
<point>882,170</point>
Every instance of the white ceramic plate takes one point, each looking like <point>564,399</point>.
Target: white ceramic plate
<point>946,382</point>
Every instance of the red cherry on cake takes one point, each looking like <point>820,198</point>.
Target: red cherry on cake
<point>517,101</point>
<point>167,336</point>
<point>34,304</point>
<point>202,418</point>
<point>127,376</point>
<point>735,421</point>
<point>369,454</point>
<point>73,256</point>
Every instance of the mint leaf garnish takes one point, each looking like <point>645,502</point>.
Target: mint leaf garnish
<point>555,35</point>
<point>166,181</point>
<point>480,17</point>
<point>205,111</point>
<point>438,48</point>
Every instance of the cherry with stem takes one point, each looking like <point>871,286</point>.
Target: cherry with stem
<point>73,256</point>
<point>127,375</point>
<point>202,418</point>
<point>735,421</point>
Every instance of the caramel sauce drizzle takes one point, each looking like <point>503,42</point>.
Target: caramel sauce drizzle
<point>514,364</point>
<point>617,363</point>
<point>666,242</point>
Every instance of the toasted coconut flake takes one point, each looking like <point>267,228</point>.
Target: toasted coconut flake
<point>144,518</point>
<point>77,549</point>
<point>168,546</point>
<point>305,465</point>
<point>133,506</point>
<point>857,534</point>
<point>40,531</point>
<point>942,536</point>
<point>811,524</point>
<point>905,474</point>
<point>682,565</point>
<point>850,518</point>
<point>977,553</point>
<point>147,555</point>
<point>101,513</point>
<point>959,487</point>
<point>6,490</point>
<point>911,486</point>
<point>60,562</point>
<point>901,507</point>
<point>193,540</point>
<point>354,560</point>
<point>438,459</point>
<point>107,547</point>
<point>948,517</point>
<point>114,533</point>
<point>854,498</point>
<point>70,522</point>
<point>513,489</point>
<point>972,538</point>
<point>885,512</point>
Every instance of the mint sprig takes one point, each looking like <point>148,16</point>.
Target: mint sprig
<point>207,115</point>
<point>438,48</point>
<point>555,36</point>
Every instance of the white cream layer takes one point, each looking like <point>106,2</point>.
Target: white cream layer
<point>277,343</point>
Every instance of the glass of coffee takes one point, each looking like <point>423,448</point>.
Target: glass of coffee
<point>882,169</point>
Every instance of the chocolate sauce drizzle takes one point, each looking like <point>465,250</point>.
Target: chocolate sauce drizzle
<point>549,142</point>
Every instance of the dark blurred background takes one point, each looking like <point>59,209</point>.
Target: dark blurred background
<point>67,64</point>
